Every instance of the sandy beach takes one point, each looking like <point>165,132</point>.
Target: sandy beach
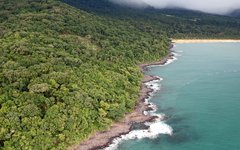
<point>204,40</point>
<point>101,140</point>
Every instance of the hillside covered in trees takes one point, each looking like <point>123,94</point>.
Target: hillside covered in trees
<point>66,73</point>
<point>178,23</point>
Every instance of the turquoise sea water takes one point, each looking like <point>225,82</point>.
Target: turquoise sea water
<point>200,94</point>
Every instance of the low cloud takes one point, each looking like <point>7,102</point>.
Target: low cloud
<point>209,6</point>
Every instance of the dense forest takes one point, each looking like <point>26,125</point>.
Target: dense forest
<point>178,23</point>
<point>66,73</point>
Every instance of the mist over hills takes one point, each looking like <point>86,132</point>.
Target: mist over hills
<point>235,13</point>
<point>116,5</point>
<point>208,6</point>
<point>177,22</point>
<point>69,70</point>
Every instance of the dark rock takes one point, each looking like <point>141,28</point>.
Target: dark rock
<point>149,109</point>
<point>139,126</point>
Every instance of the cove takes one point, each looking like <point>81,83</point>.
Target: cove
<point>200,95</point>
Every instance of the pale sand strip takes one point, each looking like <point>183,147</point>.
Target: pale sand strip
<point>205,40</point>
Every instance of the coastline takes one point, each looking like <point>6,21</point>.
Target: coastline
<point>205,40</point>
<point>101,140</point>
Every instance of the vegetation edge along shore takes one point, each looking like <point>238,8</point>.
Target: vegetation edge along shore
<point>66,73</point>
<point>101,140</point>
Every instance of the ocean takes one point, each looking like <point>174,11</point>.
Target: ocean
<point>200,97</point>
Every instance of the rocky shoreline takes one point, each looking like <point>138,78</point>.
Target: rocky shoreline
<point>131,121</point>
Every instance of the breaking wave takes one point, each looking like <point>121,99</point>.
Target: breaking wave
<point>156,127</point>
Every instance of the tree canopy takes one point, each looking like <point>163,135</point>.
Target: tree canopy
<point>66,73</point>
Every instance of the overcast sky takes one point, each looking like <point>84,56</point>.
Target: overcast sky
<point>210,6</point>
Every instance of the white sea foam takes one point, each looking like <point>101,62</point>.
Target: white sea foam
<point>169,61</point>
<point>179,51</point>
<point>154,85</point>
<point>157,127</point>
<point>152,132</point>
<point>176,54</point>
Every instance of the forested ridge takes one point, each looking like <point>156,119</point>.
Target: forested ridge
<point>178,23</point>
<point>66,73</point>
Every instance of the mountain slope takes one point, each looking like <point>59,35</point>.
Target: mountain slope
<point>66,73</point>
<point>235,13</point>
<point>178,23</point>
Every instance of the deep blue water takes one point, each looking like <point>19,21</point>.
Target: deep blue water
<point>200,94</point>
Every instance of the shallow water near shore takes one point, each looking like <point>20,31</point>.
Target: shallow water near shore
<point>200,94</point>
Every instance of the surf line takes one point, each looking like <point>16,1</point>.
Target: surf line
<point>155,127</point>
